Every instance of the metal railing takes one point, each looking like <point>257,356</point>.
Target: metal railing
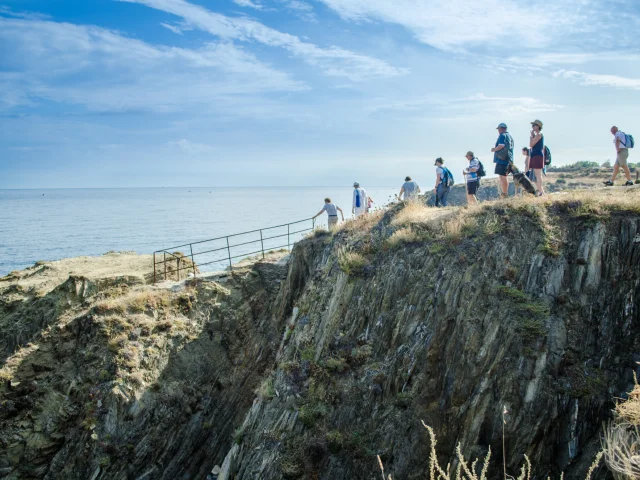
<point>227,252</point>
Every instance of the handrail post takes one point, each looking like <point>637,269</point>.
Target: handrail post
<point>313,224</point>
<point>288,239</point>
<point>262,244</point>
<point>229,253</point>
<point>154,268</point>
<point>165,264</point>
<point>193,262</point>
<point>178,267</point>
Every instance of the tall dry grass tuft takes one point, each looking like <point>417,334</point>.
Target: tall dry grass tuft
<point>363,223</point>
<point>402,236</point>
<point>351,263</point>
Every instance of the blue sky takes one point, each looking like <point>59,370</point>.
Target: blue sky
<point>107,93</point>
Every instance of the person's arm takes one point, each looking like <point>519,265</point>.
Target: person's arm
<point>400,194</point>
<point>502,142</point>
<point>535,139</point>
<point>471,170</point>
<point>498,148</point>
<point>418,191</point>
<point>341,213</point>
<point>617,144</point>
<point>353,204</point>
<point>318,214</point>
<point>438,180</point>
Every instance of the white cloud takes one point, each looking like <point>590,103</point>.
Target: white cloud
<point>173,28</point>
<point>249,4</point>
<point>333,61</point>
<point>104,71</point>
<point>593,79</point>
<point>191,148</point>
<point>6,11</point>
<point>508,106</point>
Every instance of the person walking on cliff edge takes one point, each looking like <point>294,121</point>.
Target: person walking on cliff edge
<point>444,180</point>
<point>536,154</point>
<point>623,143</point>
<point>503,157</point>
<point>471,174</point>
<point>332,211</point>
<point>410,189</point>
<point>360,204</point>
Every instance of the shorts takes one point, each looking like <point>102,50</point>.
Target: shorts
<point>502,169</point>
<point>621,158</point>
<point>472,187</point>
<point>333,221</point>
<point>536,162</point>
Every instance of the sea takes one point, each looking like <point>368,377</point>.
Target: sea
<point>52,224</point>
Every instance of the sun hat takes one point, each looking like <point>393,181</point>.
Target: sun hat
<point>439,160</point>
<point>537,122</point>
<point>502,125</point>
<point>469,154</point>
<point>356,184</point>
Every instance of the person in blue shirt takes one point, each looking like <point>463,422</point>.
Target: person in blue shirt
<point>503,157</point>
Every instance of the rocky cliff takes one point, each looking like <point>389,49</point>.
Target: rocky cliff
<point>310,365</point>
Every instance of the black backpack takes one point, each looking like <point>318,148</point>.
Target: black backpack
<point>547,156</point>
<point>481,172</point>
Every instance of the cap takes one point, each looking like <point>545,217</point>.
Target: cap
<point>537,122</point>
<point>356,184</point>
<point>502,125</point>
<point>439,160</point>
<point>469,154</point>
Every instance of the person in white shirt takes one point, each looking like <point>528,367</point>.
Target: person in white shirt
<point>332,211</point>
<point>361,200</point>
<point>410,189</point>
<point>471,175</point>
<point>622,155</point>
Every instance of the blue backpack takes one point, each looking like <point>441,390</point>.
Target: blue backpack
<point>447,177</point>
<point>629,142</point>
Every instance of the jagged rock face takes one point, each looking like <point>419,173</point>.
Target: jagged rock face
<point>300,370</point>
<point>132,381</point>
<point>454,335</point>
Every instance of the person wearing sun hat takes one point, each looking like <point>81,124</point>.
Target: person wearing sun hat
<point>503,157</point>
<point>536,155</point>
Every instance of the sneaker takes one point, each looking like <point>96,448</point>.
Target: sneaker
<point>628,184</point>
<point>608,183</point>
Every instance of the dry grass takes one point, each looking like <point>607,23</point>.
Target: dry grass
<point>629,411</point>
<point>363,223</point>
<point>351,263</point>
<point>400,237</point>
<point>476,470</point>
<point>415,212</point>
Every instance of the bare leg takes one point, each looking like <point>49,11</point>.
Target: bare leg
<point>616,167</point>
<point>504,184</point>
<point>538,172</point>
<point>627,172</point>
<point>471,199</point>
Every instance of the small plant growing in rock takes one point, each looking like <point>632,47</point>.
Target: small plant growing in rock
<point>337,365</point>
<point>351,263</point>
<point>266,390</point>
<point>334,441</point>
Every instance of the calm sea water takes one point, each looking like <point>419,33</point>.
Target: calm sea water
<point>61,223</point>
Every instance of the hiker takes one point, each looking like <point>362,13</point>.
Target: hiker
<point>536,156</point>
<point>444,180</point>
<point>361,202</point>
<point>623,143</point>
<point>332,211</point>
<point>410,190</point>
<point>503,157</point>
<point>471,175</point>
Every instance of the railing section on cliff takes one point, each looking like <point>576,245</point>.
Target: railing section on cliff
<point>169,262</point>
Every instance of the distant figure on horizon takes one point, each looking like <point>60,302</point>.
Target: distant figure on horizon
<point>536,155</point>
<point>361,202</point>
<point>623,143</point>
<point>410,190</point>
<point>444,180</point>
<point>471,176</point>
<point>332,211</point>
<point>503,157</point>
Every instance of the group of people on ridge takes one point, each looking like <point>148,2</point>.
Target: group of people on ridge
<point>537,157</point>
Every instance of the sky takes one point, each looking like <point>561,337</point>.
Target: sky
<point>150,93</point>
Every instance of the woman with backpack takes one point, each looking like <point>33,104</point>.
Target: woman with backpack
<point>536,159</point>
<point>444,180</point>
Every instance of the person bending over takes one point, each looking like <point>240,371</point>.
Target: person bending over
<point>332,211</point>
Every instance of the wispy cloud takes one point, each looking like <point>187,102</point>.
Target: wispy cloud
<point>333,61</point>
<point>104,71</point>
<point>600,80</point>
<point>508,106</point>
<point>6,11</point>
<point>249,4</point>
<point>173,28</point>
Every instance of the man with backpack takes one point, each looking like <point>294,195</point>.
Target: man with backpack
<point>503,157</point>
<point>623,143</point>
<point>472,174</point>
<point>444,181</point>
<point>360,200</point>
